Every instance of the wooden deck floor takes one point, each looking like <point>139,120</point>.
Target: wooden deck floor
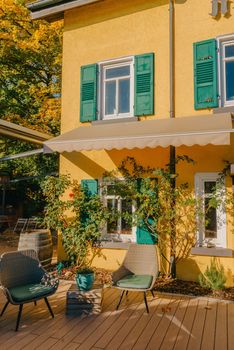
<point>173,323</point>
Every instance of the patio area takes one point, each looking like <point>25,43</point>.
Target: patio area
<point>173,323</point>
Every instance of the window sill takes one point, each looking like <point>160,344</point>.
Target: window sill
<point>114,245</point>
<point>113,121</point>
<point>222,252</point>
<point>223,110</point>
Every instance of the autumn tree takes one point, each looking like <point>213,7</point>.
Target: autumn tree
<point>30,65</point>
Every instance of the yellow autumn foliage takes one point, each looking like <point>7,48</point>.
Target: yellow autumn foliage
<point>30,64</point>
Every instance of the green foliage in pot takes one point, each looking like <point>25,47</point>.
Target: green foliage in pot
<point>84,270</point>
<point>77,214</point>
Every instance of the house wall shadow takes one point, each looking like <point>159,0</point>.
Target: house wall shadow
<point>89,166</point>
<point>95,164</point>
<point>188,269</point>
<point>102,11</point>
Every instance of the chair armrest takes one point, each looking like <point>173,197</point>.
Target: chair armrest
<point>120,273</point>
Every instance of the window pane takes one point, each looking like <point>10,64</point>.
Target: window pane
<point>124,96</point>
<point>112,224</point>
<point>229,51</point>
<point>125,226</point>
<point>230,81</point>
<point>211,221</point>
<point>110,106</point>
<point>117,72</point>
<point>209,186</point>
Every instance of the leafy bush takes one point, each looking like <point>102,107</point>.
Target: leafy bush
<point>77,214</point>
<point>167,212</point>
<point>214,276</point>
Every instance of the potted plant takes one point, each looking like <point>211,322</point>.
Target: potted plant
<point>84,278</point>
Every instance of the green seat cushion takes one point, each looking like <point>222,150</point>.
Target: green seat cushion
<point>30,291</point>
<point>135,281</point>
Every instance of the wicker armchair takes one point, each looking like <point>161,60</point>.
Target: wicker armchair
<point>23,280</point>
<point>138,271</point>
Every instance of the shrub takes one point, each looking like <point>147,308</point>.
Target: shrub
<point>214,277</point>
<point>77,214</point>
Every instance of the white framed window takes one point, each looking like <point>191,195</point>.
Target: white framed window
<point>226,70</point>
<point>118,229</point>
<point>116,87</point>
<point>211,227</point>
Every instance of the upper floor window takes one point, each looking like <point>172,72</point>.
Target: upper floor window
<point>116,89</point>
<point>214,72</point>
<point>226,68</point>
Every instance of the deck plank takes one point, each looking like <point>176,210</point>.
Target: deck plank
<point>186,327</point>
<point>221,327</point>
<point>141,324</point>
<point>72,346</point>
<point>120,324</point>
<point>81,324</point>
<point>209,328</point>
<point>46,345</point>
<point>123,312</point>
<point>230,310</point>
<point>20,344</point>
<point>189,324</point>
<point>198,326</point>
<point>130,324</point>
<point>166,319</point>
<point>175,325</point>
<point>147,333</point>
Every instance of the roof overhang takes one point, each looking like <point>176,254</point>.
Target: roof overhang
<point>20,132</point>
<point>53,10</point>
<point>188,131</point>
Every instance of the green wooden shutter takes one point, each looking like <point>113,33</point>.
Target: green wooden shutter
<point>144,236</point>
<point>205,74</point>
<point>90,185</point>
<point>144,84</point>
<point>88,93</point>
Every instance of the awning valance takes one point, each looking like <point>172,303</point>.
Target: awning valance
<point>188,131</point>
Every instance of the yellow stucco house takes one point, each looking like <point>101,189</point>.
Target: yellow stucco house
<point>146,78</point>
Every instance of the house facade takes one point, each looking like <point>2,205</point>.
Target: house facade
<point>141,77</point>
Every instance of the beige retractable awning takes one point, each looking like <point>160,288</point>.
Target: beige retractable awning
<point>21,133</point>
<point>189,131</point>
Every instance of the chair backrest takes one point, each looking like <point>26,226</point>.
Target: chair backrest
<point>20,225</point>
<point>31,224</point>
<point>142,259</point>
<point>20,268</point>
